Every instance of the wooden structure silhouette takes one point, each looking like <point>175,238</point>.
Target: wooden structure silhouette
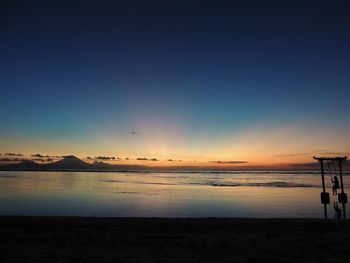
<point>342,197</point>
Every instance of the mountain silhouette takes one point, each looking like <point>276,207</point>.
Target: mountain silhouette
<point>23,165</point>
<point>69,163</point>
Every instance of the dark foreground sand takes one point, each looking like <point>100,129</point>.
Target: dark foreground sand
<point>59,239</point>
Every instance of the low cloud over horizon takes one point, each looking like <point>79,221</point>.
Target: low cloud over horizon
<point>106,158</point>
<point>11,159</point>
<point>229,162</point>
<point>38,155</point>
<point>13,154</point>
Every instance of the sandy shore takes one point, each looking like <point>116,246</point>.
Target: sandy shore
<point>64,239</point>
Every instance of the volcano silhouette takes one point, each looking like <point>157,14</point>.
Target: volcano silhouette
<point>69,162</point>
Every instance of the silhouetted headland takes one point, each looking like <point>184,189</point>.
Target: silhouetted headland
<point>72,163</point>
<point>69,163</point>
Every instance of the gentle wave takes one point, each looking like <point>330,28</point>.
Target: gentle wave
<point>345,173</point>
<point>223,184</point>
<point>8,176</point>
<point>269,184</point>
<point>111,181</point>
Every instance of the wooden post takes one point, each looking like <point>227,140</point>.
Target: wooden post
<point>342,186</point>
<point>322,174</point>
<point>324,190</point>
<point>341,177</point>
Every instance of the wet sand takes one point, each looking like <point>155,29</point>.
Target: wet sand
<point>76,239</point>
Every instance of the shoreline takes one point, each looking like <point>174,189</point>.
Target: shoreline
<point>94,239</point>
<point>346,172</point>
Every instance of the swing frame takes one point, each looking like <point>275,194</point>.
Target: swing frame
<point>342,197</point>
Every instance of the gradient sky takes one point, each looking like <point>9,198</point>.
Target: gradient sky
<point>257,81</point>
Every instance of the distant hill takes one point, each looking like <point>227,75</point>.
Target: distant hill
<point>68,163</point>
<point>23,165</point>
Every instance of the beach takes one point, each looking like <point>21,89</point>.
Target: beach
<point>86,239</point>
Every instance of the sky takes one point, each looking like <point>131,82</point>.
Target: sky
<point>260,82</point>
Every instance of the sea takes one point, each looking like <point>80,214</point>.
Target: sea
<point>238,194</point>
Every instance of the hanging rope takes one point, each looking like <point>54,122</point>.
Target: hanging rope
<point>330,172</point>
<point>329,169</point>
<point>335,167</point>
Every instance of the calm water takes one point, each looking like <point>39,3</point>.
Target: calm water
<point>149,194</point>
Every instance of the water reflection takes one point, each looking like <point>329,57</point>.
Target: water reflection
<point>161,194</point>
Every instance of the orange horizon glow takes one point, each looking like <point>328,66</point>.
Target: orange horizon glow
<point>155,163</point>
<point>262,144</point>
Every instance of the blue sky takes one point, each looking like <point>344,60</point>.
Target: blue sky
<point>195,80</point>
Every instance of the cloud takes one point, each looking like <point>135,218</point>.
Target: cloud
<point>147,159</point>
<point>170,160</point>
<point>37,155</point>
<point>13,154</point>
<point>10,159</point>
<point>229,162</point>
<point>104,158</point>
<point>133,132</point>
<point>38,160</point>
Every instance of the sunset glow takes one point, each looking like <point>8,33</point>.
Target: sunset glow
<point>228,95</point>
